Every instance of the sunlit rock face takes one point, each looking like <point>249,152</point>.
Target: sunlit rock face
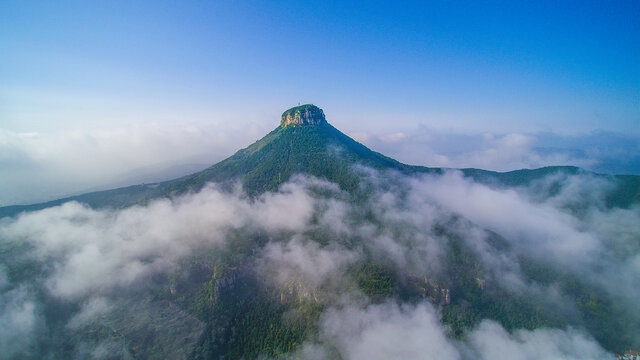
<point>308,114</point>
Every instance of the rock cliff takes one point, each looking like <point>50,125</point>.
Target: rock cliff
<point>308,114</point>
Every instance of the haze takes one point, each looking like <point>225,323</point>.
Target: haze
<point>94,93</point>
<point>401,262</point>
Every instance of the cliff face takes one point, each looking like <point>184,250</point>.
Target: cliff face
<point>308,114</point>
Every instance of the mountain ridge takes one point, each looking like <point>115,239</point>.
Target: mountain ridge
<point>305,142</point>
<point>259,281</point>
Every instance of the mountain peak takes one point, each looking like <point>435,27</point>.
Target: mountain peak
<point>307,114</point>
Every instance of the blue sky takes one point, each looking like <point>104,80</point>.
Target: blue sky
<point>487,66</point>
<point>376,68</point>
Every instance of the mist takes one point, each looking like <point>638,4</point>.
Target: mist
<point>599,151</point>
<point>97,259</point>
<point>46,166</point>
<point>50,165</point>
<point>392,331</point>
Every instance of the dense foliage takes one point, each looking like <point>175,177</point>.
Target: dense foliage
<point>226,308</point>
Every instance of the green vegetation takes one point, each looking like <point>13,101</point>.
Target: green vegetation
<point>244,316</point>
<point>374,280</point>
<point>322,151</point>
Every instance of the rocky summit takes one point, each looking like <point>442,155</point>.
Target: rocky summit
<point>307,114</point>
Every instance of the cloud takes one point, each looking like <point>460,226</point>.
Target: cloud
<point>89,311</point>
<point>316,232</point>
<point>571,230</point>
<point>304,262</point>
<point>20,320</point>
<point>95,250</point>
<point>598,151</point>
<point>387,331</point>
<point>492,341</point>
<point>43,166</point>
<point>543,229</point>
<point>392,331</point>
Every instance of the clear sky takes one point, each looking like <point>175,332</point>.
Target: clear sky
<point>471,67</point>
<point>477,65</point>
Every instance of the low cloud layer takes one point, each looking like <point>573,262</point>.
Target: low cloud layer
<point>87,255</point>
<point>94,250</point>
<point>43,166</point>
<point>602,152</point>
<point>20,320</point>
<point>392,331</point>
<point>304,262</point>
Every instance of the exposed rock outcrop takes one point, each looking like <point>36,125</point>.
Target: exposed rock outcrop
<point>296,290</point>
<point>432,289</point>
<point>308,114</point>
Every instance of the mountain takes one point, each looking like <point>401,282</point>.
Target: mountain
<point>306,143</point>
<point>269,264</point>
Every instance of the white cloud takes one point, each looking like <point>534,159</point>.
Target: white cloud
<point>304,262</point>
<point>19,319</point>
<point>601,152</point>
<point>387,331</point>
<point>91,253</point>
<point>95,250</point>
<point>492,341</point>
<point>392,331</point>
<point>541,229</point>
<point>42,166</point>
<point>89,310</point>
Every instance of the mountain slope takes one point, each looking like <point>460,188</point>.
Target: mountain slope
<point>319,150</point>
<point>210,276</point>
<point>311,146</point>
